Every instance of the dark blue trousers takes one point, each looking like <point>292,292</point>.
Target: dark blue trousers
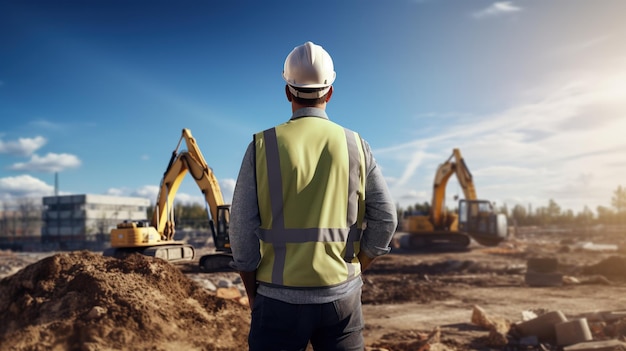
<point>280,326</point>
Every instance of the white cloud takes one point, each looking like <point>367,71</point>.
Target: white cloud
<point>412,165</point>
<point>564,145</point>
<point>50,163</point>
<point>151,192</point>
<point>148,191</point>
<point>115,192</point>
<point>22,147</point>
<point>227,186</point>
<point>497,9</point>
<point>578,47</point>
<point>44,124</point>
<point>24,186</point>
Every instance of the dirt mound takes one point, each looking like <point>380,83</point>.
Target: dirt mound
<point>613,267</point>
<point>85,301</point>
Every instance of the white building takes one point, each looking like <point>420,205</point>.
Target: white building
<point>80,218</point>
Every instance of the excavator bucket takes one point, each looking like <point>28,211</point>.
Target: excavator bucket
<point>216,262</point>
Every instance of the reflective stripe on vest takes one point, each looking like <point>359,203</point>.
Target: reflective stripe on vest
<point>311,206</point>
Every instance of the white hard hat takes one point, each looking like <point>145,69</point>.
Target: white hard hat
<point>309,66</point>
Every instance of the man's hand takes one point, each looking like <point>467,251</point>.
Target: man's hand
<point>365,260</point>
<point>249,282</point>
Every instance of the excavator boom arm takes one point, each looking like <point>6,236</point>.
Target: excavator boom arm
<point>191,161</point>
<point>455,164</point>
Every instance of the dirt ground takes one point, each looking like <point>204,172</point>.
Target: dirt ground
<point>84,301</point>
<point>409,295</point>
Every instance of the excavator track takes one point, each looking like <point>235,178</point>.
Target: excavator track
<point>487,240</point>
<point>435,241</point>
<point>216,262</point>
<point>171,252</point>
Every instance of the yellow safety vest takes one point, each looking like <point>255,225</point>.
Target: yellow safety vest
<point>310,176</point>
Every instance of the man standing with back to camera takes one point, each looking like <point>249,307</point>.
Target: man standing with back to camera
<point>310,212</point>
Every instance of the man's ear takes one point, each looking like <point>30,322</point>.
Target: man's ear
<point>289,96</point>
<point>329,94</point>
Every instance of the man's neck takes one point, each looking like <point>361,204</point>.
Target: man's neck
<point>296,106</point>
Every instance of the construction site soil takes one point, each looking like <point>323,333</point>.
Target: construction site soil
<point>412,300</point>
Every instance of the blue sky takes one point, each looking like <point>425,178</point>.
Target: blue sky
<point>533,92</point>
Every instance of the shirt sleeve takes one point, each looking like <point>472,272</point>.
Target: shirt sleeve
<point>380,211</point>
<point>245,218</point>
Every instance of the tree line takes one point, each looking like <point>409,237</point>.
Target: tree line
<point>20,217</point>
<point>195,215</point>
<point>23,217</point>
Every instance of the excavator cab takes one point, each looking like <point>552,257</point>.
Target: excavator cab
<point>222,258</point>
<point>221,239</point>
<point>478,219</point>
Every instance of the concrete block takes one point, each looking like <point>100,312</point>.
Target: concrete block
<point>595,316</point>
<point>604,345</point>
<point>612,316</point>
<point>543,327</point>
<point>542,264</point>
<point>543,279</point>
<point>603,316</point>
<point>572,332</point>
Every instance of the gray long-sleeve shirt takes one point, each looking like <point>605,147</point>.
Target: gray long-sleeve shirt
<point>380,219</point>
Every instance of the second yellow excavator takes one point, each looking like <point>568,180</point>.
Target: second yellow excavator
<point>156,238</point>
<point>476,219</point>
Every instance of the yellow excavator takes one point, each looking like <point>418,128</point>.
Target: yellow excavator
<point>440,229</point>
<point>156,238</point>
